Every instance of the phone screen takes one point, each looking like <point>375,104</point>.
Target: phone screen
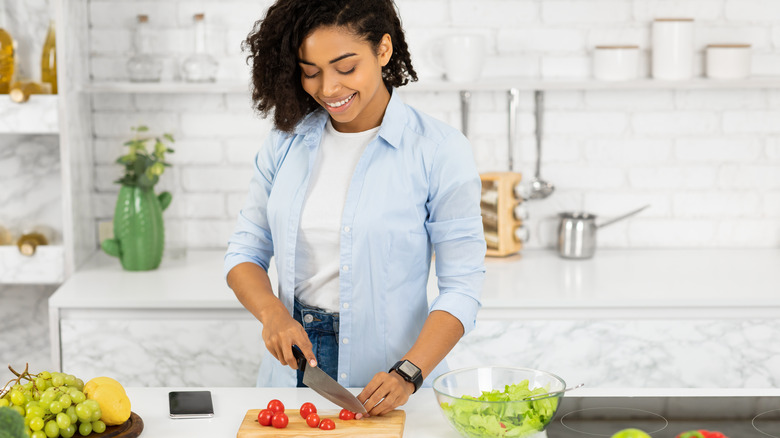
<point>190,404</point>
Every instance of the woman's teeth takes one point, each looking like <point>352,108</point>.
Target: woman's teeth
<point>341,102</point>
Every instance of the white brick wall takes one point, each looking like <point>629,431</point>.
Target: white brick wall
<point>707,161</point>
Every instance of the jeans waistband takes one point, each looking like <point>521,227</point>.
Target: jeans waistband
<point>314,318</point>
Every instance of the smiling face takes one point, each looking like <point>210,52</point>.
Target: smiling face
<point>343,73</point>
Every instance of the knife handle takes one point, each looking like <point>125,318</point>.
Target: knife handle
<point>299,357</point>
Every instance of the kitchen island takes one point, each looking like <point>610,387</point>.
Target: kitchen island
<point>423,417</point>
<point>626,318</point>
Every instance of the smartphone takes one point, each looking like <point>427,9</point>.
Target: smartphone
<point>190,404</point>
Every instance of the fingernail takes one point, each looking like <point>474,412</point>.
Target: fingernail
<point>313,363</point>
<point>358,416</point>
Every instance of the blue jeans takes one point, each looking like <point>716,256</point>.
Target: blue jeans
<point>323,330</point>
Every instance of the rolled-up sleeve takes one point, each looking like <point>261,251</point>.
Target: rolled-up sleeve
<point>251,240</point>
<point>455,229</point>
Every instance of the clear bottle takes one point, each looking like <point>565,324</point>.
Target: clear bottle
<point>142,66</point>
<point>7,53</point>
<point>31,239</point>
<point>49,59</point>
<point>200,66</point>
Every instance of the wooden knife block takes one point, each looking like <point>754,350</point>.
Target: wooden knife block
<point>498,220</point>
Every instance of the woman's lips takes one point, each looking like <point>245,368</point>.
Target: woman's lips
<point>340,105</point>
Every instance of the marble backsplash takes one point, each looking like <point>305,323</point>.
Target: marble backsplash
<point>24,328</point>
<point>607,353</point>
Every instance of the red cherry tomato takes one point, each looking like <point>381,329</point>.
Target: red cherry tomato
<point>275,406</point>
<point>346,415</point>
<point>327,424</point>
<point>264,417</point>
<point>313,420</point>
<point>306,409</point>
<point>280,420</point>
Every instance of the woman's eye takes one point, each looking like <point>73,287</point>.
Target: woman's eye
<point>347,72</point>
<point>310,76</point>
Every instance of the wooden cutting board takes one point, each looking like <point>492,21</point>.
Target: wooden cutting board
<point>390,425</point>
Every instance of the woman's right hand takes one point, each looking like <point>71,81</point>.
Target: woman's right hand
<point>281,332</point>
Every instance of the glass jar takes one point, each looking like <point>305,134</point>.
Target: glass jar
<point>200,66</point>
<point>142,66</point>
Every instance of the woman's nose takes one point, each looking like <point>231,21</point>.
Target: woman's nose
<point>331,85</point>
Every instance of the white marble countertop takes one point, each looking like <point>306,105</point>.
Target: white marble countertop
<point>423,418</point>
<point>537,284</point>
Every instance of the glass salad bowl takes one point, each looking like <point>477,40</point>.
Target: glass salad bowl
<point>486,402</point>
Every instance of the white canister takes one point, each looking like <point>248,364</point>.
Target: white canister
<point>460,57</point>
<point>616,63</point>
<point>672,48</point>
<point>728,61</point>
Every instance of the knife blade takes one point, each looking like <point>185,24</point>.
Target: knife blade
<point>324,385</point>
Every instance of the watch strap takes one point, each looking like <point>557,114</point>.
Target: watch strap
<point>416,379</point>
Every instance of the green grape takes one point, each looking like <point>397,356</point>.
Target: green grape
<point>57,379</point>
<point>36,423</point>
<point>41,383</point>
<point>28,386</point>
<point>98,426</point>
<point>18,409</point>
<point>51,429</point>
<point>84,411</point>
<point>85,429</point>
<point>45,374</point>
<point>68,431</point>
<point>71,411</point>
<point>4,402</point>
<point>65,401</point>
<point>28,405</point>
<point>76,395</point>
<point>70,380</point>
<point>96,414</point>
<point>63,420</point>
<point>17,397</point>
<point>79,384</point>
<point>35,411</point>
<point>38,434</point>
<point>55,407</point>
<point>49,395</point>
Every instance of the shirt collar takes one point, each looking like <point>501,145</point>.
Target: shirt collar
<point>391,128</point>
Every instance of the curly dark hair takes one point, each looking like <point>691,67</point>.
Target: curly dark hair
<point>273,50</point>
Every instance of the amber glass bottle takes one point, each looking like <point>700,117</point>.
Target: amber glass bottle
<point>7,53</point>
<point>49,59</point>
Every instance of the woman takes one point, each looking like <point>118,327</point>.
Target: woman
<point>351,192</point>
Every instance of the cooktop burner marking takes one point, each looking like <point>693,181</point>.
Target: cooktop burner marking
<point>753,421</point>
<point>611,411</point>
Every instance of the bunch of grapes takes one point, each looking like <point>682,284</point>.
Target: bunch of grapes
<point>52,404</point>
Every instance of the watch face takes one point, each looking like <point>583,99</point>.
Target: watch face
<point>409,369</point>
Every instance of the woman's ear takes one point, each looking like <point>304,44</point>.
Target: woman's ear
<point>385,50</point>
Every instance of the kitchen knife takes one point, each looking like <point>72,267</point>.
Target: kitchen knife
<point>324,385</point>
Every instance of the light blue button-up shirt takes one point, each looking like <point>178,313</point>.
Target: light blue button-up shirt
<point>414,191</point>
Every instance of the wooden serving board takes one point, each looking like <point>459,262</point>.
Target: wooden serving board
<point>390,425</point>
<point>129,429</point>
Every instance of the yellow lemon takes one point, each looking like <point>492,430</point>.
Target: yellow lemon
<point>100,381</point>
<point>112,398</point>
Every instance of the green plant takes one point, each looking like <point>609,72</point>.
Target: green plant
<point>142,167</point>
<point>11,424</point>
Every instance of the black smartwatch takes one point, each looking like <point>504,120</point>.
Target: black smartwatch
<point>409,372</point>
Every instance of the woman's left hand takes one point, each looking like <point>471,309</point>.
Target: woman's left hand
<point>385,392</point>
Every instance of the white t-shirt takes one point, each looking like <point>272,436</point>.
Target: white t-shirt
<point>317,249</point>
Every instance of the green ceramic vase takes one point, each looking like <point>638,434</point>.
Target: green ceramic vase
<point>139,234</point>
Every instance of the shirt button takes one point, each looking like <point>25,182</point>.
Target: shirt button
<point>308,318</point>
<point>345,267</point>
<point>345,305</point>
<point>345,341</point>
<point>346,229</point>
<point>343,375</point>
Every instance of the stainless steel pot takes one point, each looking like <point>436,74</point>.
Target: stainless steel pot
<point>577,233</point>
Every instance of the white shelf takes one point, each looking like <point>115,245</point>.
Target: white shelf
<point>39,115</point>
<point>492,84</point>
<point>47,266</point>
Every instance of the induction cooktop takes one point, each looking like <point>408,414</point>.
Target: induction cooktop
<point>667,417</point>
